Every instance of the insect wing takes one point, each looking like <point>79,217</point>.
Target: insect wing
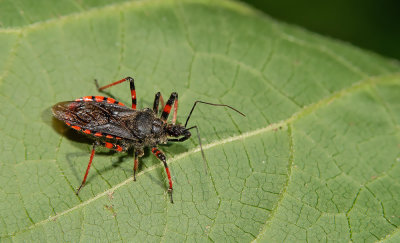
<point>98,119</point>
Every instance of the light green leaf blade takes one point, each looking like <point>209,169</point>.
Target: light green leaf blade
<point>316,158</point>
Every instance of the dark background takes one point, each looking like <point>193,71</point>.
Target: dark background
<point>369,24</point>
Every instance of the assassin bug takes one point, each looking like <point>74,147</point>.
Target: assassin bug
<point>113,125</point>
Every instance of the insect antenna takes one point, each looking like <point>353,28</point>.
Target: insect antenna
<point>198,101</point>
<point>197,129</point>
<point>201,147</point>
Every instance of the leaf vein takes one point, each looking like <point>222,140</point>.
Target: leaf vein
<point>271,127</point>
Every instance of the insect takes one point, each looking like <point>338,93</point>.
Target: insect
<point>115,126</point>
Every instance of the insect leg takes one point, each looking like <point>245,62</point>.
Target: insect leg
<point>88,167</point>
<point>132,87</point>
<point>138,153</point>
<point>157,100</point>
<point>175,110</point>
<point>160,155</point>
<point>98,143</point>
<point>135,166</point>
<point>167,109</point>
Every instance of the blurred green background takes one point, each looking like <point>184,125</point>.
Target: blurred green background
<point>370,24</point>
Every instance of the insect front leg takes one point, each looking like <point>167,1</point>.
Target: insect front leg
<point>167,109</point>
<point>160,155</point>
<point>158,97</point>
<point>132,87</point>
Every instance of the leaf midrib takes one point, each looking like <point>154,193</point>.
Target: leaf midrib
<point>376,80</point>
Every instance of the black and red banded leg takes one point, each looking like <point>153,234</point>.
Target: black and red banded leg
<point>98,143</point>
<point>173,99</point>
<point>88,167</point>
<point>158,97</point>
<point>160,155</point>
<point>132,87</point>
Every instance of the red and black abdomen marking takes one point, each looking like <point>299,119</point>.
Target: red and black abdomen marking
<point>100,99</point>
<point>97,116</point>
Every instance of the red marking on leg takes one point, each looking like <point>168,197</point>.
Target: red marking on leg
<point>119,103</point>
<point>88,167</point>
<point>98,134</point>
<point>135,166</point>
<point>162,101</point>
<point>109,145</point>
<point>175,111</point>
<point>99,98</point>
<point>87,131</point>
<point>119,148</point>
<point>167,108</point>
<point>157,153</point>
<point>118,138</point>
<point>154,149</point>
<point>76,128</point>
<point>109,136</point>
<point>112,84</point>
<point>169,177</point>
<point>110,100</point>
<point>68,124</point>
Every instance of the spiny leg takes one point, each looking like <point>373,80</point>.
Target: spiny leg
<point>160,155</point>
<point>167,109</point>
<point>132,87</point>
<point>158,97</point>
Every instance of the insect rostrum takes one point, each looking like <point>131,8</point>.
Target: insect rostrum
<point>115,126</point>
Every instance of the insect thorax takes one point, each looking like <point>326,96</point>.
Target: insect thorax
<point>148,128</point>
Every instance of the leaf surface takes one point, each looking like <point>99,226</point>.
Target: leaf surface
<point>316,158</point>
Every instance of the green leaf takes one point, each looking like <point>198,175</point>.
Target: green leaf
<point>316,158</point>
